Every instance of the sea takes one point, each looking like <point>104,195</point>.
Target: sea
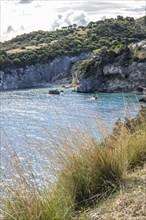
<point>33,124</point>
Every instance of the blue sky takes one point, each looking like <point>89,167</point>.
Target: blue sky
<point>20,16</point>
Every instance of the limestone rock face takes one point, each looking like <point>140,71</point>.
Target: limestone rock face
<point>36,75</point>
<point>112,77</point>
<point>112,69</point>
<point>116,78</point>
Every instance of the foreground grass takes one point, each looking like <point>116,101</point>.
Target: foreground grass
<point>89,174</point>
<point>126,204</point>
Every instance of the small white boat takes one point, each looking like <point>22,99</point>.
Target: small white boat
<point>93,98</point>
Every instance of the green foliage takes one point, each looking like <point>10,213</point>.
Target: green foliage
<point>142,20</point>
<point>5,62</point>
<point>17,62</point>
<point>1,61</point>
<point>94,37</point>
<point>88,67</point>
<point>22,47</point>
<point>41,46</point>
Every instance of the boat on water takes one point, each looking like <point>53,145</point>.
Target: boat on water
<point>94,97</point>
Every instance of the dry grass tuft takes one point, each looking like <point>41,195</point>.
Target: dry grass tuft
<point>89,173</point>
<point>129,203</point>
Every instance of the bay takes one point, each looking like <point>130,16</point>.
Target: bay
<point>30,117</point>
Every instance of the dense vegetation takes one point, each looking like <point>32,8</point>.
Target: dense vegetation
<point>89,173</point>
<point>112,35</point>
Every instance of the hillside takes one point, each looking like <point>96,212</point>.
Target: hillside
<point>108,55</point>
<point>142,20</point>
<point>39,47</point>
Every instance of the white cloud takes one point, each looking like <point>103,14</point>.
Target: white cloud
<point>10,29</point>
<point>34,16</point>
<point>25,1</point>
<point>50,14</point>
<point>70,17</point>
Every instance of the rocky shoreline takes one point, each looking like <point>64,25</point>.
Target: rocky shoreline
<point>112,77</point>
<point>115,78</point>
<point>39,74</point>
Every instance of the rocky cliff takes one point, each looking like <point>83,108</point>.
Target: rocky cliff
<point>110,76</point>
<point>114,77</point>
<point>38,74</point>
<point>117,49</point>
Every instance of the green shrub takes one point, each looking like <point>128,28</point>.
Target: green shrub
<point>17,62</point>
<point>22,47</point>
<point>110,33</point>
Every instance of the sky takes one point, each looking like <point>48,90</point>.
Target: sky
<point>23,16</point>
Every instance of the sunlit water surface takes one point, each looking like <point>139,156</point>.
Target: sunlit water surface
<point>32,117</point>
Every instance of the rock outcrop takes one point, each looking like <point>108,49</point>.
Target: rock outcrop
<point>36,75</point>
<point>114,77</point>
<point>54,92</point>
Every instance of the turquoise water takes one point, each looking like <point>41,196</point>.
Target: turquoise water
<point>28,117</point>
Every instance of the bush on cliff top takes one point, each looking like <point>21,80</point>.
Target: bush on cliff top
<point>42,46</point>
